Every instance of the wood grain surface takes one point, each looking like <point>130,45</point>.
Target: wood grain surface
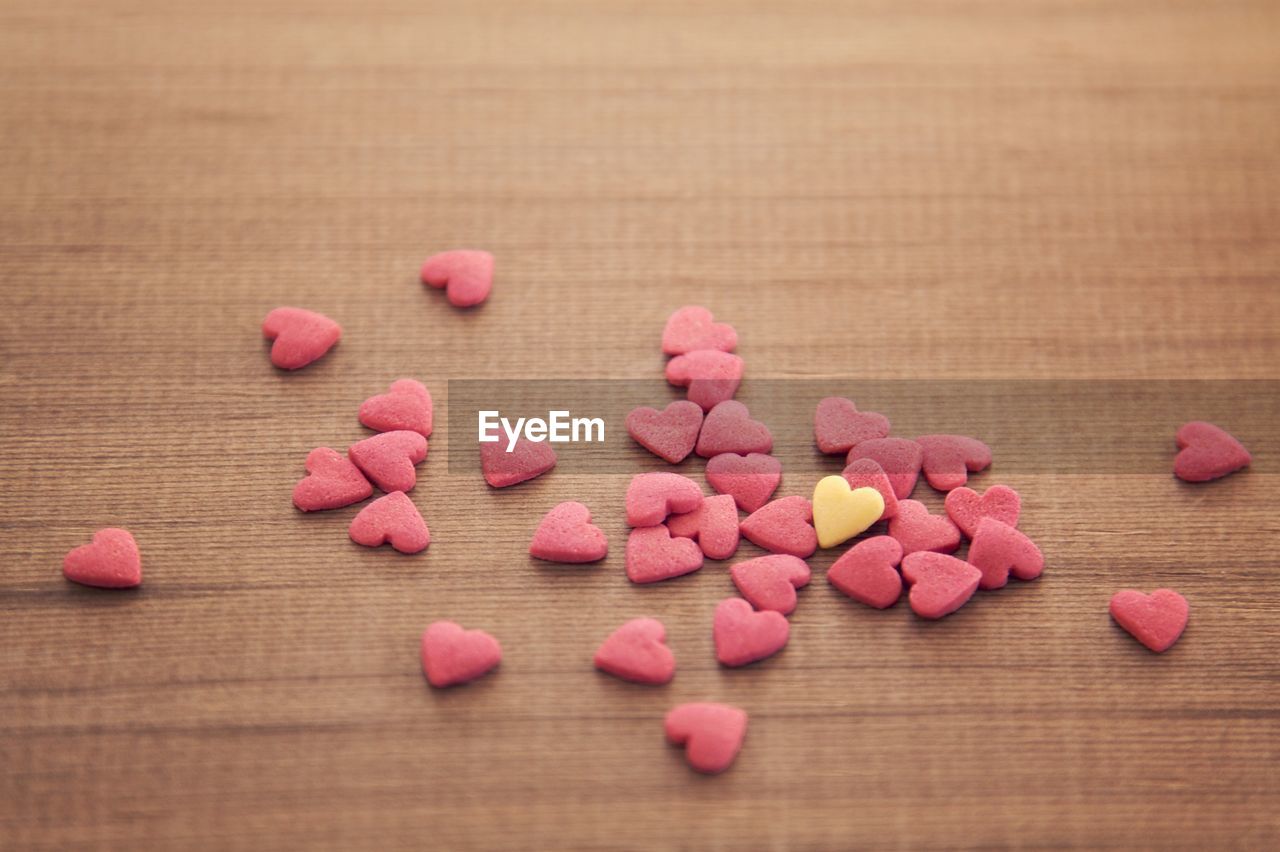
<point>876,190</point>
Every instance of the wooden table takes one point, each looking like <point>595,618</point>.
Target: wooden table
<point>868,191</point>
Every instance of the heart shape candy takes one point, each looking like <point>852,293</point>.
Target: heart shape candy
<point>998,550</point>
<point>750,480</point>
<point>637,652</point>
<point>783,526</point>
<point>1156,620</point>
<point>899,458</point>
<point>713,525</point>
<point>653,496</point>
<point>669,434</point>
<point>653,555</point>
<point>841,512</point>
<point>917,530</point>
<point>1207,452</point>
<point>770,582</point>
<point>867,572</point>
<point>466,275</point>
<point>693,327</point>
<point>566,534</point>
<point>332,482</point>
<point>948,459</point>
<point>451,655</point>
<point>838,425</point>
<point>744,636</point>
<point>730,429</point>
<point>110,561</point>
<point>710,376</point>
<point>966,508</point>
<point>300,336</point>
<point>940,584</point>
<point>405,406</point>
<point>712,734</point>
<point>866,473</point>
<point>393,519</point>
<point>388,459</point>
<point>528,459</point>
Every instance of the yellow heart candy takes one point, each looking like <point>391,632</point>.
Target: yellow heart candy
<point>841,512</point>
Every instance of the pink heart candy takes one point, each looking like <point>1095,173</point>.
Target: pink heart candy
<point>838,425</point>
<point>867,572</point>
<point>653,555</point>
<point>300,336</point>
<point>637,652</point>
<point>711,376</point>
<point>712,734</point>
<point>528,459</point>
<point>998,550</point>
<point>867,473</point>
<point>332,482</point>
<point>1156,620</point>
<point>713,525</point>
<point>692,328</point>
<point>917,530</point>
<point>466,275</point>
<point>406,406</point>
<point>898,457</point>
<point>783,526</point>
<point>770,582</point>
<point>948,459</point>
<point>940,584</point>
<point>389,459</point>
<point>566,534</point>
<point>110,561</point>
<point>653,496</point>
<point>1207,452</point>
<point>966,508</point>
<point>743,636</point>
<point>669,434</point>
<point>451,655</point>
<point>393,519</point>
<point>730,429</point>
<point>750,480</point>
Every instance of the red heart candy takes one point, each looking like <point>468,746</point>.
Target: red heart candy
<point>1207,452</point>
<point>867,572</point>
<point>1156,620</point>
<point>300,336</point>
<point>898,457</point>
<point>966,508</point>
<point>916,530</point>
<point>714,525</point>
<point>940,584</point>
<point>637,652</point>
<point>692,328</point>
<point>653,555</point>
<point>711,376</point>
<point>770,582</point>
<point>838,425</point>
<point>407,405</point>
<point>712,734</point>
<point>466,275</point>
<point>730,429</point>
<point>653,496</point>
<point>388,459</point>
<point>526,460</point>
<point>451,655</point>
<point>999,549</point>
<point>392,519</point>
<point>110,561</point>
<point>948,459</point>
<point>332,482</point>
<point>750,479</point>
<point>669,434</point>
<point>866,473</point>
<point>783,526</point>
<point>566,534</point>
<point>743,636</point>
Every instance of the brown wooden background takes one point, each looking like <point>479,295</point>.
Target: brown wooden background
<point>867,190</point>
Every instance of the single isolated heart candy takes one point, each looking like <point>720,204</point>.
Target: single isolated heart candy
<point>940,584</point>
<point>692,328</point>
<point>669,434</point>
<point>653,555</point>
<point>391,519</point>
<point>653,496</point>
<point>1156,620</point>
<point>712,734</point>
<point>966,508</point>
<point>783,526</point>
<point>948,459</point>
<point>998,550</point>
<point>407,405</point>
<point>300,336</point>
<point>451,655</point>
<point>867,572</point>
<point>770,582</point>
<point>711,376</point>
<point>466,275</point>
<point>917,530</point>
<point>566,534</point>
<point>713,525</point>
<point>730,429</point>
<point>110,561</point>
<point>637,652</point>
<point>899,458</point>
<point>838,425</point>
<point>332,482</point>
<point>528,459</point>
<point>750,479</point>
<point>865,473</point>
<point>1207,452</point>
<point>841,512</point>
<point>389,459</point>
<point>743,636</point>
